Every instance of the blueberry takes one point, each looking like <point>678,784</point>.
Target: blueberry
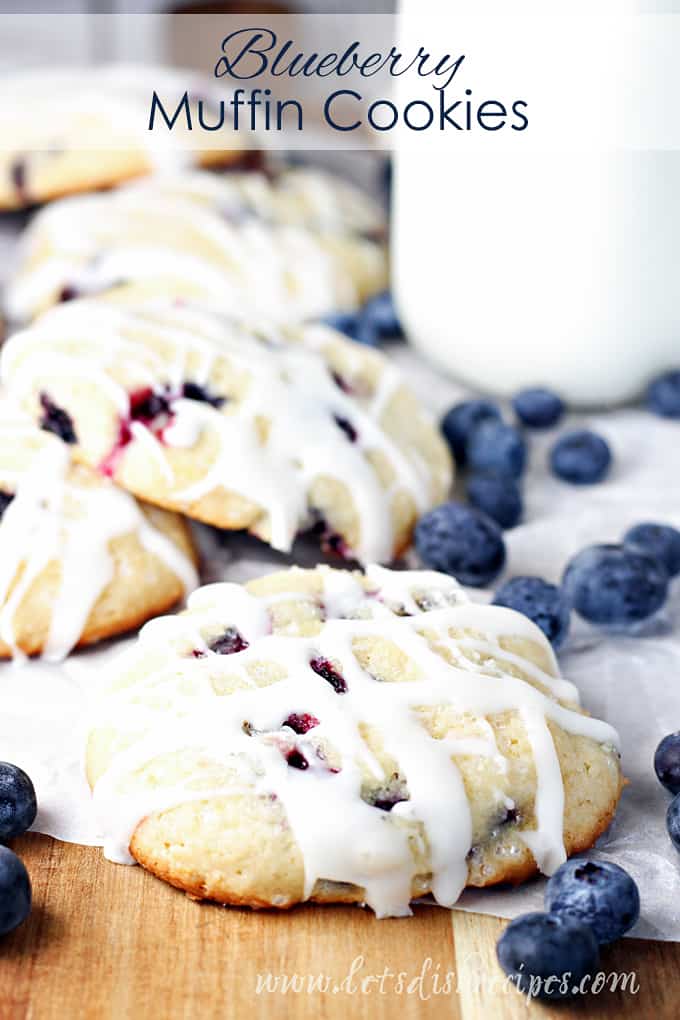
<point>597,893</point>
<point>494,446</point>
<point>354,326</point>
<point>18,806</point>
<point>547,955</point>
<point>380,315</point>
<point>667,762</point>
<point>496,496</point>
<point>56,419</point>
<point>15,891</point>
<point>673,821</point>
<point>543,603</point>
<point>461,541</point>
<point>660,541</point>
<point>5,500</point>
<point>538,408</point>
<point>461,420</point>
<point>608,584</point>
<point>663,395</point>
<point>581,457</point>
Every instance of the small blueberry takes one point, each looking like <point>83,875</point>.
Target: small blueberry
<point>380,315</point>
<point>673,821</point>
<point>667,762</point>
<point>494,446</point>
<point>18,805</point>
<point>15,891</point>
<point>543,603</point>
<point>538,408</point>
<point>499,497</point>
<point>461,541</point>
<point>354,326</point>
<point>660,541</point>
<point>581,457</point>
<point>547,955</point>
<point>598,893</point>
<point>663,395</point>
<point>610,585</point>
<point>460,421</point>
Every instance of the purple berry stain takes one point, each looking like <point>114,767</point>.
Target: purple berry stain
<point>301,722</point>
<point>229,643</point>
<point>55,419</point>
<point>324,668</point>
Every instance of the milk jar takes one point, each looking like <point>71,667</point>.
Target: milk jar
<point>542,266</point>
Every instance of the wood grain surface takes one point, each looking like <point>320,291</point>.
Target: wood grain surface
<point>111,942</point>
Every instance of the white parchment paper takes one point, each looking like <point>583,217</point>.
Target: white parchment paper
<point>631,681</point>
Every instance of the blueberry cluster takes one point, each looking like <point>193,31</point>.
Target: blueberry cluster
<point>375,322</point>
<point>667,768</point>
<point>18,809</point>
<point>588,904</point>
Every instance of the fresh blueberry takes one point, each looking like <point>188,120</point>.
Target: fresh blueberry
<point>461,420</point>
<point>673,821</point>
<point>56,419</point>
<point>15,891</point>
<point>381,314</point>
<point>581,457</point>
<point>663,395</point>
<point>543,603</point>
<point>547,955</point>
<point>610,585</point>
<point>538,408</point>
<point>598,893</point>
<point>5,500</point>
<point>355,326</point>
<point>499,497</point>
<point>494,446</point>
<point>667,762</point>
<point>459,540</point>
<point>660,541</point>
<point>18,806</point>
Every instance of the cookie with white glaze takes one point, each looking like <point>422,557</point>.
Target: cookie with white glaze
<point>240,426</point>
<point>337,737</point>
<point>78,130</point>
<point>294,246</point>
<point>80,560</point>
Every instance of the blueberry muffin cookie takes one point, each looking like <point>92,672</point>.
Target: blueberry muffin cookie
<point>345,737</point>
<point>78,130</point>
<point>295,246</point>
<point>273,430</point>
<point>80,560</point>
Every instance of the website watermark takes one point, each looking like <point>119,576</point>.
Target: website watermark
<point>433,980</point>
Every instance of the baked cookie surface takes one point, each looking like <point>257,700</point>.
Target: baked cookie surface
<point>296,246</point>
<point>80,560</point>
<point>343,737</point>
<point>243,427</point>
<point>73,131</point>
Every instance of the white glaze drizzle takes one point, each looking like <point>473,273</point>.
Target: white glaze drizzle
<point>278,257</point>
<point>342,838</point>
<point>52,518</point>
<point>290,385</point>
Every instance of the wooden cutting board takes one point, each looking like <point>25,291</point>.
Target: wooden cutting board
<point>111,942</point>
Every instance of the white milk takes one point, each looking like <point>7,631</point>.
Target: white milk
<point>519,267</point>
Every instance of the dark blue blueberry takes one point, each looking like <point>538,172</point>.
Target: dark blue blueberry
<point>461,420</point>
<point>667,762</point>
<point>547,955</point>
<point>355,326</point>
<point>194,391</point>
<point>15,891</point>
<point>673,821</point>
<point>538,408</point>
<point>5,500</point>
<point>496,496</point>
<point>55,419</point>
<point>459,540</point>
<point>325,669</point>
<point>228,643</point>
<point>581,457</point>
<point>610,585</point>
<point>543,603</point>
<point>18,805</point>
<point>660,541</point>
<point>663,395</point>
<point>597,893</point>
<point>346,426</point>
<point>496,447</point>
<point>380,315</point>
